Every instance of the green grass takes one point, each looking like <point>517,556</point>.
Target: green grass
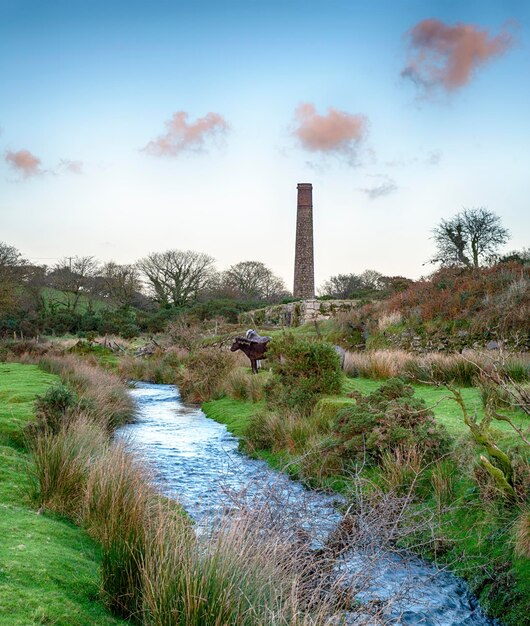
<point>49,568</point>
<point>446,410</point>
<point>55,297</point>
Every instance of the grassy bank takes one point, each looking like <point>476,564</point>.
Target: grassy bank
<point>474,530</point>
<point>49,568</point>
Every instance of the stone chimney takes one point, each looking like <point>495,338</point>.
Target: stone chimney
<point>304,267</point>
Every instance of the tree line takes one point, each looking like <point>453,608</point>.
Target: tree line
<point>80,294</point>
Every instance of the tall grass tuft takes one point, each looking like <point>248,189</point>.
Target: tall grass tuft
<point>401,467</point>
<point>522,533</point>
<point>241,385</point>
<point>61,462</point>
<point>118,509</point>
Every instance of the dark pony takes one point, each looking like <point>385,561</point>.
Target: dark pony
<point>253,345</point>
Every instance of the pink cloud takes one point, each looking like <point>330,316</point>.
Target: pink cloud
<point>447,56</point>
<point>182,136</point>
<point>335,132</point>
<point>24,162</point>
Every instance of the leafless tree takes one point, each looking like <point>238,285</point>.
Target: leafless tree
<point>253,280</point>
<point>120,283</point>
<point>470,238</point>
<point>73,277</point>
<point>176,276</point>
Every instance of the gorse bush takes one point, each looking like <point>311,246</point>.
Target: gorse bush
<point>53,407</point>
<point>388,419</point>
<point>302,371</point>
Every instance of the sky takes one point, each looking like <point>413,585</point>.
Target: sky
<point>128,127</point>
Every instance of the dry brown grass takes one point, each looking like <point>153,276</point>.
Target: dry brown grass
<point>462,369</point>
<point>522,533</point>
<point>204,374</point>
<point>160,367</point>
<point>401,467</point>
<point>61,464</point>
<point>105,394</point>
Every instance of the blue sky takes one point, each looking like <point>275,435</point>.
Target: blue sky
<point>87,85</point>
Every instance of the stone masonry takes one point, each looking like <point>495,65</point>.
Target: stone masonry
<point>304,268</point>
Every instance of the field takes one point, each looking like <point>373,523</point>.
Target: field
<point>49,568</point>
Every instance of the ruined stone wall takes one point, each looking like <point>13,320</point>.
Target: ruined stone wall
<point>296,313</point>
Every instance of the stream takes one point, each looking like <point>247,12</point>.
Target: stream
<point>196,460</point>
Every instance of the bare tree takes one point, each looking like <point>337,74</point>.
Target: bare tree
<point>470,238</point>
<point>73,277</point>
<point>253,280</point>
<point>120,283</point>
<point>176,276</point>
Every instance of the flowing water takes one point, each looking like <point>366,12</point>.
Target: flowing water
<point>196,460</point>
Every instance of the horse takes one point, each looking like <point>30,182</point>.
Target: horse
<point>253,345</point>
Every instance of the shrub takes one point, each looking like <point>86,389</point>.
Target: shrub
<point>54,408</point>
<point>388,419</point>
<point>204,374</point>
<point>302,371</point>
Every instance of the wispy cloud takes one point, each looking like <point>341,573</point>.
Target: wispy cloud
<point>24,162</point>
<point>184,136</point>
<point>73,167</point>
<point>384,187</point>
<point>433,157</point>
<point>336,132</point>
<point>446,57</point>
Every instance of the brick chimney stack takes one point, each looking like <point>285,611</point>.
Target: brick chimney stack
<point>304,267</point>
